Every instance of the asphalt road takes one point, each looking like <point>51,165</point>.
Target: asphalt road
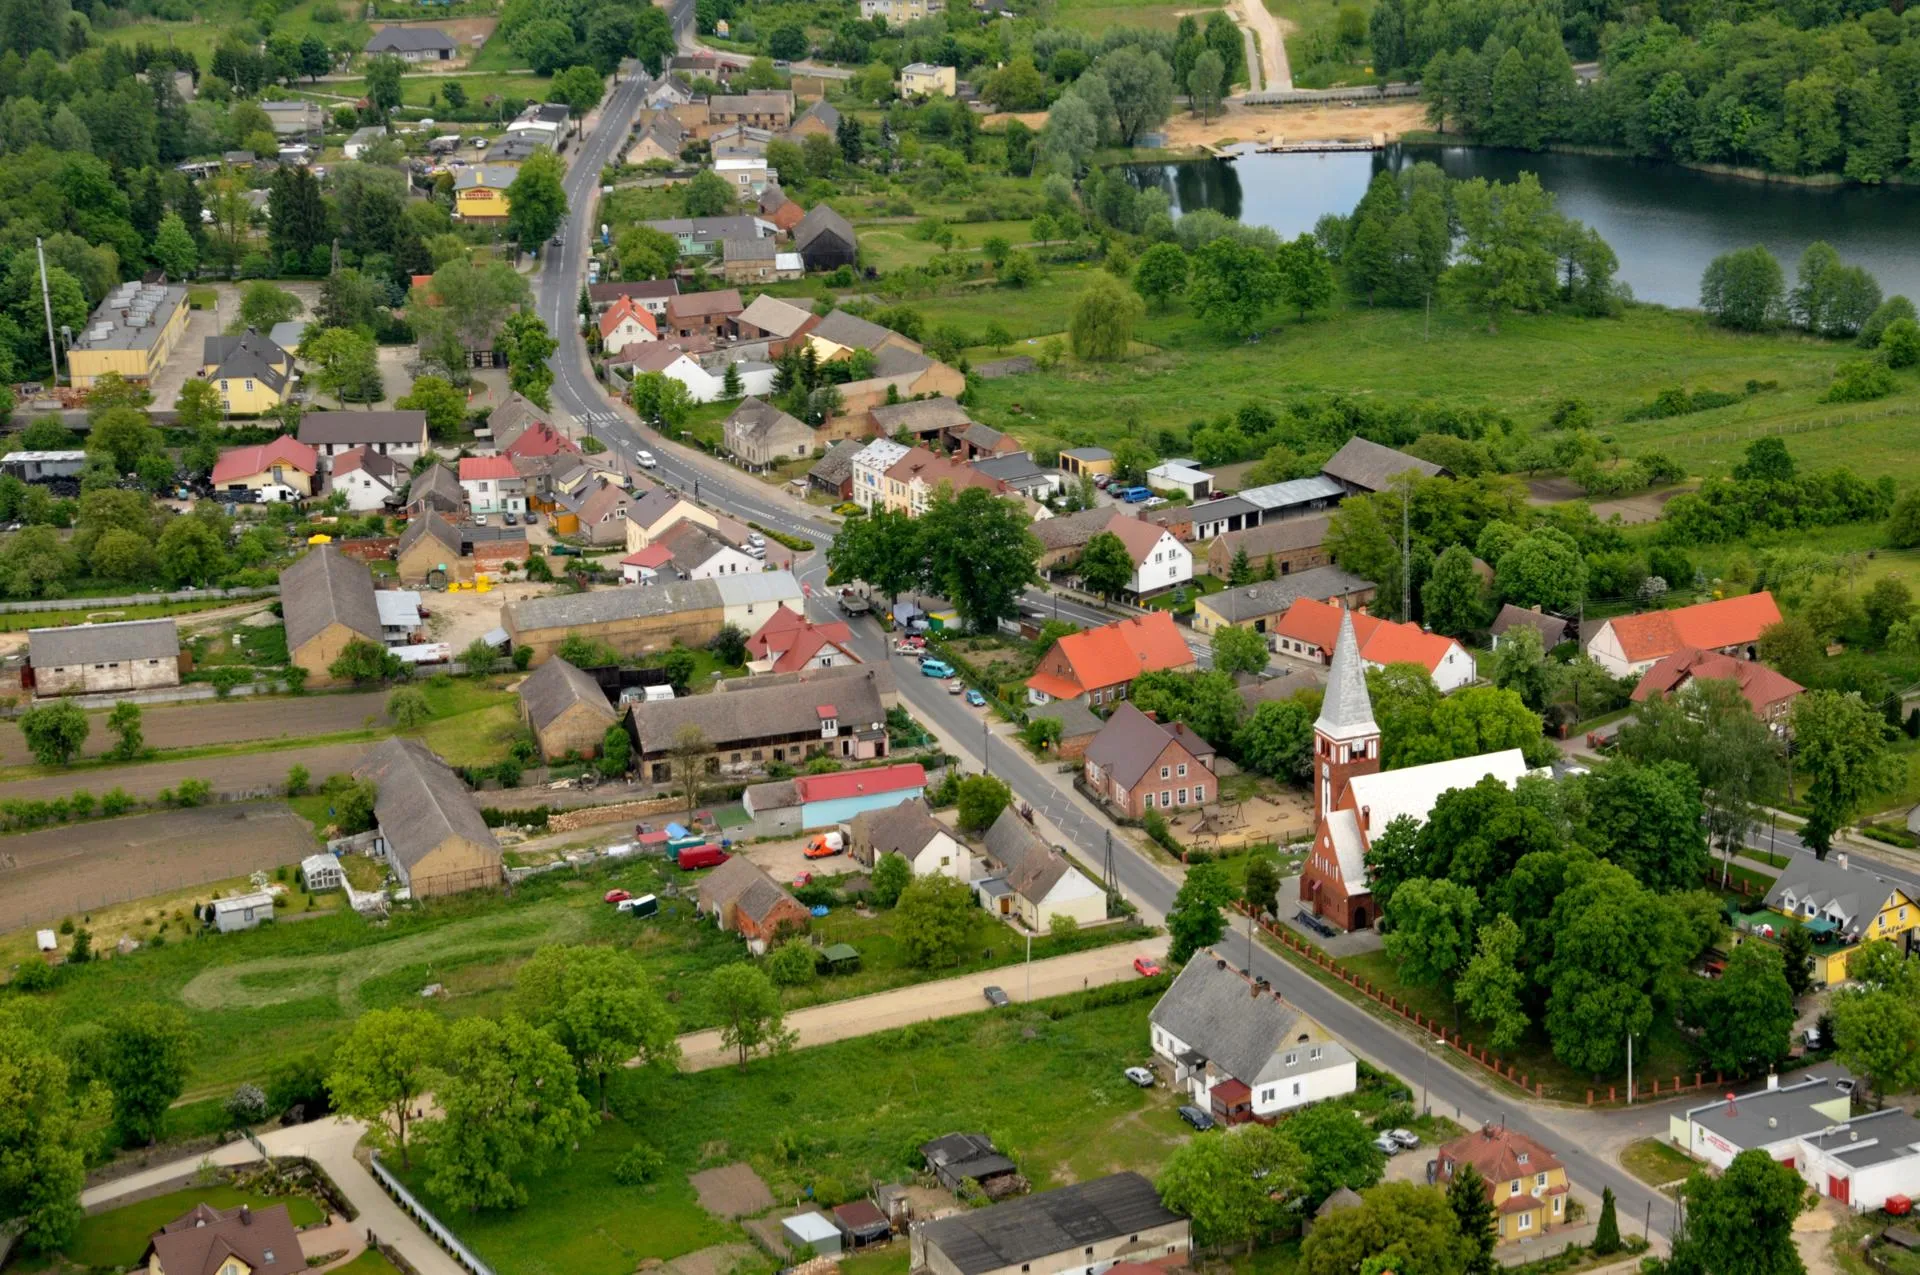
<point>1143,882</point>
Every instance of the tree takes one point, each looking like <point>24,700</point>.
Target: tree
<point>1103,318</point>
<point>1520,666</point>
<point>616,752</point>
<point>981,799</point>
<point>383,1066</point>
<point>1238,648</point>
<point>1876,1024</point>
<point>1263,883</point>
<point>262,304</point>
<point>1413,1225</point>
<point>1208,702</point>
<point>1106,565</point>
<point>1233,1187</point>
<point>979,554</point>
<point>55,733</point>
<point>45,1114</point>
<point>708,195</point>
<point>1710,727</point>
<point>361,661</point>
<point>345,364</point>
<point>1472,1205</point>
<point>1431,938</point>
<point>1305,275</point>
<point>935,916</point>
<point>1450,600</point>
<point>580,87</point>
<point>1606,1234</point>
<point>464,308</point>
<point>729,645</point>
<point>686,755</point>
<point>1194,921</point>
<point>1233,286</point>
<point>1278,740</point>
<point>1746,1016</point>
<point>144,1062</point>
<point>1206,84</point>
<point>1841,746</point>
<point>1741,1221</point>
<point>1745,289</point>
<point>298,779</point>
<point>123,435</point>
<point>746,1004</point>
<point>1492,987</point>
<point>1888,602</point>
<point>1142,90</point>
<point>1607,952</point>
<point>513,1106</point>
<point>383,83</point>
<point>1161,274</point>
<point>124,722</point>
<point>528,346</point>
<point>536,200</point>
<point>407,708</point>
<point>1648,818</point>
<point>445,406</point>
<point>891,876</point>
<point>174,249</point>
<point>1543,569</point>
<point>1505,258</point>
<point>1339,1151</point>
<point>600,1006</point>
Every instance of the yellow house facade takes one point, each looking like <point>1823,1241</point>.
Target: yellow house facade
<point>480,191</point>
<point>252,374</point>
<point>133,333</point>
<point>1843,907</point>
<point>923,79</point>
<point>1526,1182</point>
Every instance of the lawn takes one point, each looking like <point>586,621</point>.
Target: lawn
<point>424,90</point>
<point>1311,54</point>
<point>1655,1162</point>
<point>369,1263</point>
<point>216,20</point>
<point>116,1239</point>
<point>1100,16</point>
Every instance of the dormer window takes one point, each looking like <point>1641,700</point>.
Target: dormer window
<point>1520,1157</point>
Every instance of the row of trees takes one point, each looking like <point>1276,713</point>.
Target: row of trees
<point>971,547</point>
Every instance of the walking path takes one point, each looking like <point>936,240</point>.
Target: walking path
<point>842,1020</point>
<point>1272,73</point>
<point>329,1143</point>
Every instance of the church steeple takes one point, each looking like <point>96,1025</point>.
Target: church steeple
<point>1346,739</point>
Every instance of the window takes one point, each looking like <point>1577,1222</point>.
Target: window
<point>1291,1059</point>
<point>1313,1055</point>
<point>1183,796</point>
<point>249,385</point>
<point>1199,792</point>
<point>223,386</point>
<point>1526,1220</point>
<point>1166,798</point>
<point>1148,803</point>
<point>1556,1204</point>
<point>1183,770</point>
<point>1520,1158</point>
<point>1540,1181</point>
<point>1516,1187</point>
<point>1296,1089</point>
<point>1166,772</point>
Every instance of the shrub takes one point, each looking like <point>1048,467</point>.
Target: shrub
<point>791,964</point>
<point>639,1166</point>
<point>1859,381</point>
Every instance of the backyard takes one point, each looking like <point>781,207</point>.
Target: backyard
<point>117,1239</point>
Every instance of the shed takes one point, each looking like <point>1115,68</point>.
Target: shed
<point>862,1223</point>
<point>813,1230</point>
<point>242,912</point>
<point>46,940</point>
<point>841,958</point>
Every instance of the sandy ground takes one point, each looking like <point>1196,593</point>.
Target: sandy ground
<point>785,860</point>
<point>458,618</point>
<point>1321,122</point>
<point>185,725</point>
<point>247,772</point>
<point>732,1190</point>
<point>1249,822</point>
<point>55,872</point>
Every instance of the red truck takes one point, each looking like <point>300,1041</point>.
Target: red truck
<point>708,856</point>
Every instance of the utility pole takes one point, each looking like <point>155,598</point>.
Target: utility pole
<point>1406,553</point>
<point>1629,1069</point>
<point>46,302</point>
<point>986,746</point>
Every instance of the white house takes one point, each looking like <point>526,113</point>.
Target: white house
<point>242,912</point>
<point>746,174</point>
<point>1033,882</point>
<point>698,553</point>
<point>910,831</point>
<point>704,384</point>
<point>369,479</point>
<point>625,323</point>
<point>1160,561</point>
<point>493,485</point>
<point>1240,1049</point>
<point>750,600</point>
<point>870,468</point>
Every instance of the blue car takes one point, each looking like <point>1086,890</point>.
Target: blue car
<point>935,668</point>
<point>976,699</point>
<point>1134,495</point>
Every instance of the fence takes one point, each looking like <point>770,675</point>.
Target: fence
<point>1359,93</point>
<point>135,600</point>
<point>433,1226</point>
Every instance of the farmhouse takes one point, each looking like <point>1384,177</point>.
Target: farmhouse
<point>250,371</point>
<point>1034,882</point>
<point>1361,466</point>
<point>412,44</point>
<point>566,710</point>
<point>1274,548</point>
<point>1632,644</point>
<point>1076,1230</point>
<point>1261,606</point>
<point>399,435</point>
<point>632,621</point>
<point>841,712</point>
<point>327,601</point>
<point>910,831</point>
<point>429,552</point>
<point>741,897</point>
<point>1769,694</point>
<point>788,642</point>
<point>1842,907</point>
<point>1098,665</point>
<point>238,1241</point>
<point>280,463</point>
<point>429,825</point>
<point>761,436</point>
<point>1310,627</point>
<point>369,479</point>
<point>92,659</point>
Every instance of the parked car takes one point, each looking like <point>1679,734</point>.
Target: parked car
<point>1146,966</point>
<point>512,518</point>
<point>1196,1117</point>
<point>708,856</point>
<point>532,518</point>
<point>1406,1139</point>
<point>1316,924</point>
<point>1385,1144</point>
<point>645,905</point>
<point>956,687</point>
<point>976,699</point>
<point>1139,1076</point>
<point>997,998</point>
<point>616,896</point>
<point>479,520</point>
<point>644,458</point>
<point>823,844</point>
<point>935,668</point>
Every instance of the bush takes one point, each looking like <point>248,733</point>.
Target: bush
<point>791,964</point>
<point>639,1166</point>
<point>1859,381</point>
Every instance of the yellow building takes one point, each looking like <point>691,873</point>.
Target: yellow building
<point>923,79</point>
<point>1842,908</point>
<point>134,333</point>
<point>1527,1184</point>
<point>252,373</point>
<point>284,462</point>
<point>480,191</point>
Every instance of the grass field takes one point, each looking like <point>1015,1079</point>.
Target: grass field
<point>1312,33</point>
<point>1100,16</point>
<point>215,20</point>
<point>115,1239</point>
<point>1655,1162</point>
<point>368,1263</point>
<point>423,90</point>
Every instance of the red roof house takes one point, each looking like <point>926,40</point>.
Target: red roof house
<point>475,468</point>
<point>285,460</point>
<point>540,439</point>
<point>1098,665</point>
<point>788,642</point>
<point>1310,627</point>
<point>1630,644</point>
<point>1768,693</point>
<point>624,323</point>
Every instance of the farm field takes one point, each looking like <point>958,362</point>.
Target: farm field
<point>1099,16</point>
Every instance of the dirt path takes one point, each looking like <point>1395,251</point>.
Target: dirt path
<point>221,722</point>
<point>1274,72</point>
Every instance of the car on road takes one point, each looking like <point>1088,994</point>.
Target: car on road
<point>997,998</point>
<point>1386,1145</point>
<point>956,687</point>
<point>1153,502</point>
<point>1196,1117</point>
<point>1314,923</point>
<point>1405,1139</point>
<point>532,517</point>
<point>1139,1076</point>
<point>935,668</point>
<point>616,896</point>
<point>976,699</point>
<point>1146,966</point>
<point>644,458</point>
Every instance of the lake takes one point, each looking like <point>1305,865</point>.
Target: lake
<point>1665,222</point>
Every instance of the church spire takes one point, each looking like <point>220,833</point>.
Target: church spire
<point>1347,711</point>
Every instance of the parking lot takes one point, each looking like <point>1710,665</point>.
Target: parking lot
<point>784,860</point>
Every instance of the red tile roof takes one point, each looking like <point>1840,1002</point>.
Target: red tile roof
<point>1705,625</point>
<point>1763,687</point>
<point>621,310</point>
<point>860,783</point>
<point>1381,641</point>
<point>473,468</point>
<point>791,640</point>
<point>654,555</point>
<point>1500,1154</point>
<point>1114,654</point>
<point>540,439</point>
<point>243,462</point>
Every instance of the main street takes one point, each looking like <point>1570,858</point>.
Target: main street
<point>1571,1132</point>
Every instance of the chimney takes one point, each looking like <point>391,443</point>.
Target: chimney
<point>1773,1080</point>
<point>1366,818</point>
<point>246,1215</point>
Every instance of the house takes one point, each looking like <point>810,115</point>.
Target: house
<point>869,472</point>
<point>633,621</point>
<point>242,911</point>
<point>1183,480</point>
<point>1362,467</point>
<point>599,510</point>
<point>429,552</point>
<point>1240,1049</point>
<point>825,239</point>
<point>362,139</point>
<point>1273,548</point>
<point>428,824</point>
<point>251,373</point>
<point>1215,517</point>
<point>493,485</point>
<point>326,599</point>
<point>703,313</point>
<point>900,12</point>
<point>400,435</point>
<point>704,383</point>
<point>910,831</point>
<point>133,332</point>
<point>750,260</point>
<point>742,141</point>
<point>1015,468</point>
<point>657,137</point>
<point>1064,537</point>
<point>654,509</point>
<point>841,712</point>
<point>1035,881</point>
<point>566,710</point>
<point>761,436</point>
<point>1310,627</point>
<point>92,659</point>
<point>917,477</point>
<point>771,109</point>
<point>1088,462</point>
<point>371,481</point>
<point>696,552</point>
<point>839,334</point>
<point>412,44</point>
<point>789,642</point>
<point>650,295</point>
<point>625,323</point>
<point>321,872</point>
<point>296,119</point>
<point>1137,764</point>
<point>975,441</point>
<point>1768,693</point>
<point>741,897</point>
<point>832,474</point>
<point>806,802</point>
<point>1354,802</point>
<point>925,420</point>
<point>898,374</point>
<point>1526,1182</point>
<point>1295,498</point>
<point>1076,1230</point>
<point>400,621</point>
<point>1261,606</point>
<point>923,79</point>
<point>539,440</point>
<point>284,462</point>
<point>480,191</point>
<point>963,1162</point>
<point>238,1241</point>
<point>669,91</point>
<point>1553,629</point>
<point>1864,1161</point>
<point>1160,562</point>
<point>703,236</point>
<point>783,212</point>
<point>746,174</point>
<point>435,488</point>
<point>1631,644</point>
<point>775,321</point>
<point>1097,665</point>
<point>1079,725</point>
<point>820,119</point>
<point>1841,906</point>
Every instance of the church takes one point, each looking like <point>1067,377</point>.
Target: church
<point>1354,801</point>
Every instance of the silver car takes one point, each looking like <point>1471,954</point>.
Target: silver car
<point>1139,1076</point>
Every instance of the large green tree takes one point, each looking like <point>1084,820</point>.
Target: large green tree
<point>1339,1150</point>
<point>1103,319</point>
<point>1745,1016</point>
<point>1234,1187</point>
<point>882,549</point>
<point>1740,1222</point>
<point>1410,1227</point>
<point>746,1004</point>
<point>383,1066</point>
<point>979,554</point>
<point>536,200</point>
<point>599,1004</point>
<point>144,1061</point>
<point>56,732</point>
<point>1233,286</point>
<point>1238,648</point>
<point>1106,565</point>
<point>46,1131</point>
<point>935,915</point>
<point>1492,989</point>
<point>1472,1205</point>
<point>1195,920</point>
<point>1840,746</point>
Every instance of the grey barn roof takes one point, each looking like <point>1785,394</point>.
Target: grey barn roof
<point>409,40</point>
<point>762,422</point>
<point>759,712</point>
<point>557,686</point>
<point>1297,491</point>
<point>603,606</point>
<point>430,524</point>
<point>822,220</point>
<point>850,330</point>
<point>1269,597</point>
<point>905,829</point>
<point>1037,1226</point>
<point>440,485</point>
<point>1031,866</point>
<point>922,415</point>
<point>323,428</point>
<point>420,803</point>
<point>323,587</point>
<point>1213,1009</point>
<point>1369,465</point>
<point>103,643</point>
<point>836,466</point>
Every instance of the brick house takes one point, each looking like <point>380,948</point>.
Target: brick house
<point>1137,764</point>
<point>741,897</point>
